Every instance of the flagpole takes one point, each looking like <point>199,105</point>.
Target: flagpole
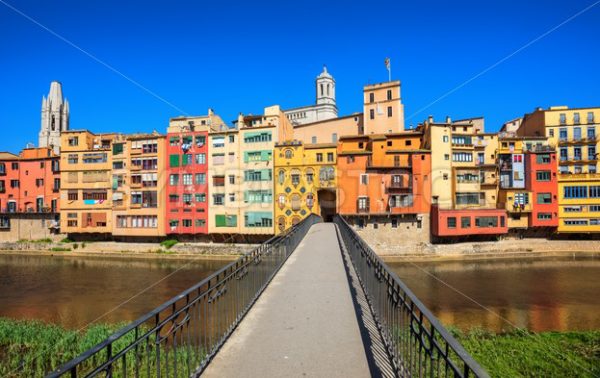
<point>390,71</point>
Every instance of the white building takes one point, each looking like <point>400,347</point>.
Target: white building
<point>55,117</point>
<point>324,108</point>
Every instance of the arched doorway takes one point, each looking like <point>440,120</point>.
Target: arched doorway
<point>327,203</point>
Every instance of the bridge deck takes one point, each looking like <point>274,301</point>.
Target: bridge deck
<point>305,322</point>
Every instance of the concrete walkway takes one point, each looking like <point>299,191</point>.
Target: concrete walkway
<point>305,322</point>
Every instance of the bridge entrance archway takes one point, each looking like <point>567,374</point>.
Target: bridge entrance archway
<point>327,204</point>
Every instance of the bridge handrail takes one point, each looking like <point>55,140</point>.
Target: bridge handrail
<point>417,342</point>
<point>207,292</point>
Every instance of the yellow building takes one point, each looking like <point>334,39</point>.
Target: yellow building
<point>463,164</point>
<point>138,185</point>
<point>574,132</point>
<point>86,190</point>
<point>305,182</point>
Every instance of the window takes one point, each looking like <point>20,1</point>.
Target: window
<point>446,156</point>
<point>445,139</point>
<point>14,183</point>
<point>389,111</point>
<point>72,195</point>
<point>594,191</point>
<point>258,175</point>
<point>226,220</point>
<point>330,156</point>
<point>309,175</point>
<point>256,156</point>
<point>363,203</point>
<point>187,198</point>
<point>551,132</point>
<point>232,179</point>
<point>542,158</point>
<point>592,168</point>
<point>576,118</point>
<point>564,154</point>
<point>544,216</point>
<point>231,197</point>
<point>544,198</point>
<point>174,180</point>
<point>319,157</point>
<point>372,114</point>
<point>562,133</point>
<point>591,152</point>
<point>451,221</point>
<point>334,138</point>
<point>364,179</point>
<point>591,132</point>
<point>218,180</point>
<point>94,158</point>
<point>577,133</point>
<point>295,176</point>
<point>371,97</point>
<point>486,221</point>
<point>39,182</point>
<point>288,154</point>
<point>218,199</point>
<point>590,117</point>
<point>542,175</point>
<point>173,198</point>
<point>465,222</point>
<point>118,164</point>
<point>467,198</point>
<point>389,94</point>
<point>231,138</point>
<point>296,202</point>
<point>281,176</point>
<point>200,158</point>
<point>56,186</point>
<point>462,157</point>
<point>563,118</point>
<point>258,219</point>
<point>218,159</point>
<point>186,159</point>
<point>575,192</point>
<point>259,196</point>
<point>200,140</point>
<point>187,178</point>
<point>256,137</point>
<point>73,141</point>
<point>313,139</point>
<point>200,222</point>
<point>173,160</point>
<point>200,197</point>
<point>150,147</point>
<point>218,141</point>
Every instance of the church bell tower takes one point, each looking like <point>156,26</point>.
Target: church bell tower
<point>55,117</point>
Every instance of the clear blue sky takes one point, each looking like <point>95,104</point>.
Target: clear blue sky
<point>240,57</point>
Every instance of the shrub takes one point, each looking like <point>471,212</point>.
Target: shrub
<point>168,243</point>
<point>66,240</point>
<point>60,249</point>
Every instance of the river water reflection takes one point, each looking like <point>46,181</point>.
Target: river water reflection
<point>539,294</point>
<point>73,291</point>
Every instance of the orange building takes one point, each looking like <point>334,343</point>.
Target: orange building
<point>29,184</point>
<point>384,182</point>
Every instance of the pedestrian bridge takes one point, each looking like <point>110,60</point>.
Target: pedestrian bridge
<point>316,301</point>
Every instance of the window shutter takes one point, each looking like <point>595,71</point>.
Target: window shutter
<point>174,160</point>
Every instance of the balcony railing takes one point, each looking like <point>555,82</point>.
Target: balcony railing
<point>578,176</point>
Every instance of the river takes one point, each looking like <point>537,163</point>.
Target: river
<point>74,291</point>
<point>539,294</point>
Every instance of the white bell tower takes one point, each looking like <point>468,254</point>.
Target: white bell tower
<point>55,117</point>
<point>325,88</point>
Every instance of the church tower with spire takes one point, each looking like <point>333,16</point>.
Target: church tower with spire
<point>324,108</point>
<point>55,117</point>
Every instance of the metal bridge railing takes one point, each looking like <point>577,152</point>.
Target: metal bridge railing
<point>417,342</point>
<point>180,337</point>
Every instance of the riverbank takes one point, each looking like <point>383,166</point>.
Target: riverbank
<point>507,248</point>
<point>547,354</point>
<point>32,348</point>
<point>167,249</point>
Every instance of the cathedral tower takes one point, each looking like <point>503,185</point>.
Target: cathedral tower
<point>55,117</point>
<point>325,88</point>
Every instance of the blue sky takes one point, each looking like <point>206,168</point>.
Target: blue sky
<point>241,57</point>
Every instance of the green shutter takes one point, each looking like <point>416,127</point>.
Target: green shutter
<point>265,155</point>
<point>265,175</point>
<point>220,220</point>
<point>187,159</point>
<point>174,160</point>
<point>117,148</point>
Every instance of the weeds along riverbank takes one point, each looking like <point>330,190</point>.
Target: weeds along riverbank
<point>33,348</point>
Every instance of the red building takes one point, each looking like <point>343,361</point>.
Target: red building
<point>29,182</point>
<point>467,222</point>
<point>542,182</point>
<point>187,188</point>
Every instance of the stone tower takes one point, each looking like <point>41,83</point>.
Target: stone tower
<point>325,86</point>
<point>55,117</point>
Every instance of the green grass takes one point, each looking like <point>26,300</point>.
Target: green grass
<point>33,349</point>
<point>66,240</point>
<point>40,241</point>
<point>524,354</point>
<point>60,249</point>
<point>168,243</point>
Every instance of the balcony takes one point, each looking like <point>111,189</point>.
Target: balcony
<point>362,210</point>
<point>543,148</point>
<point>518,208</point>
<point>382,163</point>
<point>578,176</point>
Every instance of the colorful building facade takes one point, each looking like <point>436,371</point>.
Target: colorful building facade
<point>187,194</point>
<point>574,132</point>
<point>305,182</point>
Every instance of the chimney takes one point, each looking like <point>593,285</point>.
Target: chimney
<point>448,119</point>
<point>430,119</point>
